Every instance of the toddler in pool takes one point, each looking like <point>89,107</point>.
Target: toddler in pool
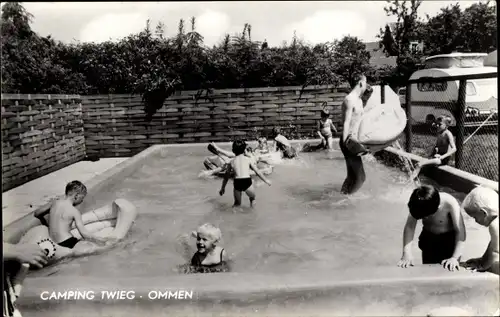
<point>210,257</point>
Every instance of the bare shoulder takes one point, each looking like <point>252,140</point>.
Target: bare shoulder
<point>449,202</point>
<point>448,134</point>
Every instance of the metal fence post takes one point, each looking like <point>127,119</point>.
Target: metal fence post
<point>382,93</point>
<point>460,127</point>
<point>408,132</point>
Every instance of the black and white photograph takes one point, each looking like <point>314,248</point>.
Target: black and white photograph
<point>250,158</point>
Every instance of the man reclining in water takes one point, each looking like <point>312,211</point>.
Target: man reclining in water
<point>63,213</point>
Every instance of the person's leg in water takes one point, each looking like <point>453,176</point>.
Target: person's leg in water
<point>355,171</point>
<point>251,195</point>
<point>237,198</point>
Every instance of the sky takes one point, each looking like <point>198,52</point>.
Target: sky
<point>314,22</point>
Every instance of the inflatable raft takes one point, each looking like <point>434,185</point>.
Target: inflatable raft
<point>113,220</point>
<point>381,123</point>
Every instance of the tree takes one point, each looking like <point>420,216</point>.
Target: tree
<point>388,43</point>
<point>351,57</point>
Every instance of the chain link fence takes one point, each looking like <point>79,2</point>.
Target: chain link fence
<point>471,102</point>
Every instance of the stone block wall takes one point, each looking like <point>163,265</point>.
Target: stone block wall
<point>115,125</point>
<point>40,134</point>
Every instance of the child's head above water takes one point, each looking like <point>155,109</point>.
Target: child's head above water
<point>207,236</point>
<point>442,123</point>
<point>239,147</point>
<point>76,191</point>
<point>424,201</point>
<point>482,205</point>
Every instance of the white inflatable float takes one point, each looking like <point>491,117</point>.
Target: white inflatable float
<point>381,123</point>
<point>113,220</point>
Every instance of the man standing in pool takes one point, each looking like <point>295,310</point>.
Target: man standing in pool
<point>352,112</point>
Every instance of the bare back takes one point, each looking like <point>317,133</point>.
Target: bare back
<point>241,166</point>
<point>354,104</point>
<point>61,218</point>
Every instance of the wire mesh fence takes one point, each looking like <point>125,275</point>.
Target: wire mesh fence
<point>470,103</point>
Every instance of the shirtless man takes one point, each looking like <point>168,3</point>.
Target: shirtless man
<point>241,166</point>
<point>352,111</point>
<point>63,213</point>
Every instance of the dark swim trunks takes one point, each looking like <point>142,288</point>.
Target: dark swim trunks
<point>436,247</point>
<point>242,184</point>
<point>69,243</point>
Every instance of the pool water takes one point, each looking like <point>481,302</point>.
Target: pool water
<point>301,222</point>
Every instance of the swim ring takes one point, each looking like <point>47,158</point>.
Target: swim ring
<point>113,220</point>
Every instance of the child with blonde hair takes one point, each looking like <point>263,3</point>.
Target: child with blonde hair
<point>210,256</point>
<point>482,205</point>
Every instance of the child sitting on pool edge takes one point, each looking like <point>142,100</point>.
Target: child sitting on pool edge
<point>444,148</point>
<point>482,205</point>
<point>443,231</point>
<point>240,166</point>
<point>210,257</point>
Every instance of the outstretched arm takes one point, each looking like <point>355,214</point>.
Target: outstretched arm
<point>408,234</point>
<point>25,253</point>
<point>459,227</point>
<point>258,173</point>
<point>347,120</point>
<point>87,235</point>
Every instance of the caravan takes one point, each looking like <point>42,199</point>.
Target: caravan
<point>431,100</point>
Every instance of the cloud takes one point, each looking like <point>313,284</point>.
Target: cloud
<point>328,25</point>
<point>212,25</point>
<point>113,26</point>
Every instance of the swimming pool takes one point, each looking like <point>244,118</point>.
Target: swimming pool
<point>303,249</point>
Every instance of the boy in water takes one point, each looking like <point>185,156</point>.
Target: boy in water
<point>443,232</point>
<point>63,213</point>
<point>482,205</point>
<point>209,255</point>
<point>241,166</point>
<point>352,112</point>
<point>282,144</point>
<point>326,130</point>
<point>444,148</point>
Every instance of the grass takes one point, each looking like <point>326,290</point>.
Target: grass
<point>480,152</point>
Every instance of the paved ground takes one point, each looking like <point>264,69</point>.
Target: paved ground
<point>26,198</point>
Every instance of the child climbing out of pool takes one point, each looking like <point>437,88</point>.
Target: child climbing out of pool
<point>443,231</point>
<point>482,205</point>
<point>444,148</point>
<point>210,257</point>
<point>282,144</point>
<point>63,213</point>
<point>326,128</point>
<point>240,166</point>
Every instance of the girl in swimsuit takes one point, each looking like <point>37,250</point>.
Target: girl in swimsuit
<point>210,257</point>
<point>326,130</point>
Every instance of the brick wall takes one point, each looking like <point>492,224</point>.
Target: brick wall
<point>40,134</point>
<point>114,125</point>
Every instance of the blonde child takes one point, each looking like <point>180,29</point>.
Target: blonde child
<point>482,205</point>
<point>210,256</point>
